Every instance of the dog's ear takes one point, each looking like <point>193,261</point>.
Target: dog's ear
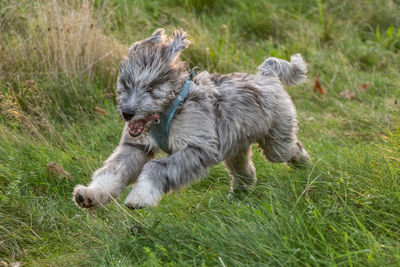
<point>158,36</point>
<point>178,42</point>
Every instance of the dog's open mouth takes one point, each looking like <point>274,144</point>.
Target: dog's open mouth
<point>136,128</point>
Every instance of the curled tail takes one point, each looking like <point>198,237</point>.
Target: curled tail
<point>293,72</point>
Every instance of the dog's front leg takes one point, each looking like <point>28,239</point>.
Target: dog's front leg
<point>162,175</point>
<point>120,169</point>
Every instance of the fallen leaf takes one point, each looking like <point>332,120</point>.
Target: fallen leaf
<point>318,87</point>
<point>3,263</point>
<point>384,137</point>
<point>100,111</point>
<point>364,86</point>
<point>347,94</point>
<point>108,95</point>
<point>56,169</point>
<point>15,264</point>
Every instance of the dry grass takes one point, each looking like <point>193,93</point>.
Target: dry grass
<point>24,107</point>
<point>51,52</point>
<point>56,38</point>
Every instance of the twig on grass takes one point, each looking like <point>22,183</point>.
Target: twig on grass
<point>307,187</point>
<point>202,198</point>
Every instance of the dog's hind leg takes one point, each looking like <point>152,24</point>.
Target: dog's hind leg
<point>242,170</point>
<point>120,169</point>
<point>278,150</point>
<point>281,145</point>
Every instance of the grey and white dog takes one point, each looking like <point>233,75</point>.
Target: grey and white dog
<point>219,120</point>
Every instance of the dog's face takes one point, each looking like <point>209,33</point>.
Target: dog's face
<point>148,77</point>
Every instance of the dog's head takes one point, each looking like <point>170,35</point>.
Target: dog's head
<point>149,75</point>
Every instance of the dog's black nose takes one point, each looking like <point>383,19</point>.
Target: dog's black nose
<point>128,114</point>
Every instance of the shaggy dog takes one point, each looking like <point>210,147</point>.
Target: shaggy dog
<point>217,118</point>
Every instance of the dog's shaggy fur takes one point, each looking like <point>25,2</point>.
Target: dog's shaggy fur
<point>220,119</point>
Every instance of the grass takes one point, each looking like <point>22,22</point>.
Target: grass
<point>55,106</point>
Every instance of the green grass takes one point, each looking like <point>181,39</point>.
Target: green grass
<point>342,210</point>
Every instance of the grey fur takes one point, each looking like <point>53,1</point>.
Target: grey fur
<point>221,118</point>
<point>293,72</point>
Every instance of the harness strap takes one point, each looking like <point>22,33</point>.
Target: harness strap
<point>160,131</point>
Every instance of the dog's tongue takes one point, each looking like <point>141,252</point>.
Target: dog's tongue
<point>136,127</point>
<point>152,117</point>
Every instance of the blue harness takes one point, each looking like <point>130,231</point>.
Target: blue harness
<point>160,131</point>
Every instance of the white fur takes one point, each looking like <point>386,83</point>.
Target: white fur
<point>143,194</point>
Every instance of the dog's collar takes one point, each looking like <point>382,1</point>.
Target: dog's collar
<point>160,131</point>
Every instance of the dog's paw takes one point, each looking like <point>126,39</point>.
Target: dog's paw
<point>86,198</point>
<point>135,204</point>
<point>139,201</point>
<point>143,195</point>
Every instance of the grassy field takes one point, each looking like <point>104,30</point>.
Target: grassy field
<point>58,66</point>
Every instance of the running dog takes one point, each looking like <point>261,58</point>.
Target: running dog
<point>198,120</point>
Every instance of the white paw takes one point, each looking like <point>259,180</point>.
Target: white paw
<point>143,194</point>
<point>86,197</point>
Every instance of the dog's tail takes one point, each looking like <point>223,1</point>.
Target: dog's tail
<point>293,72</point>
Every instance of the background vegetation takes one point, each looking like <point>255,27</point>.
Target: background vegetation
<point>58,65</point>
